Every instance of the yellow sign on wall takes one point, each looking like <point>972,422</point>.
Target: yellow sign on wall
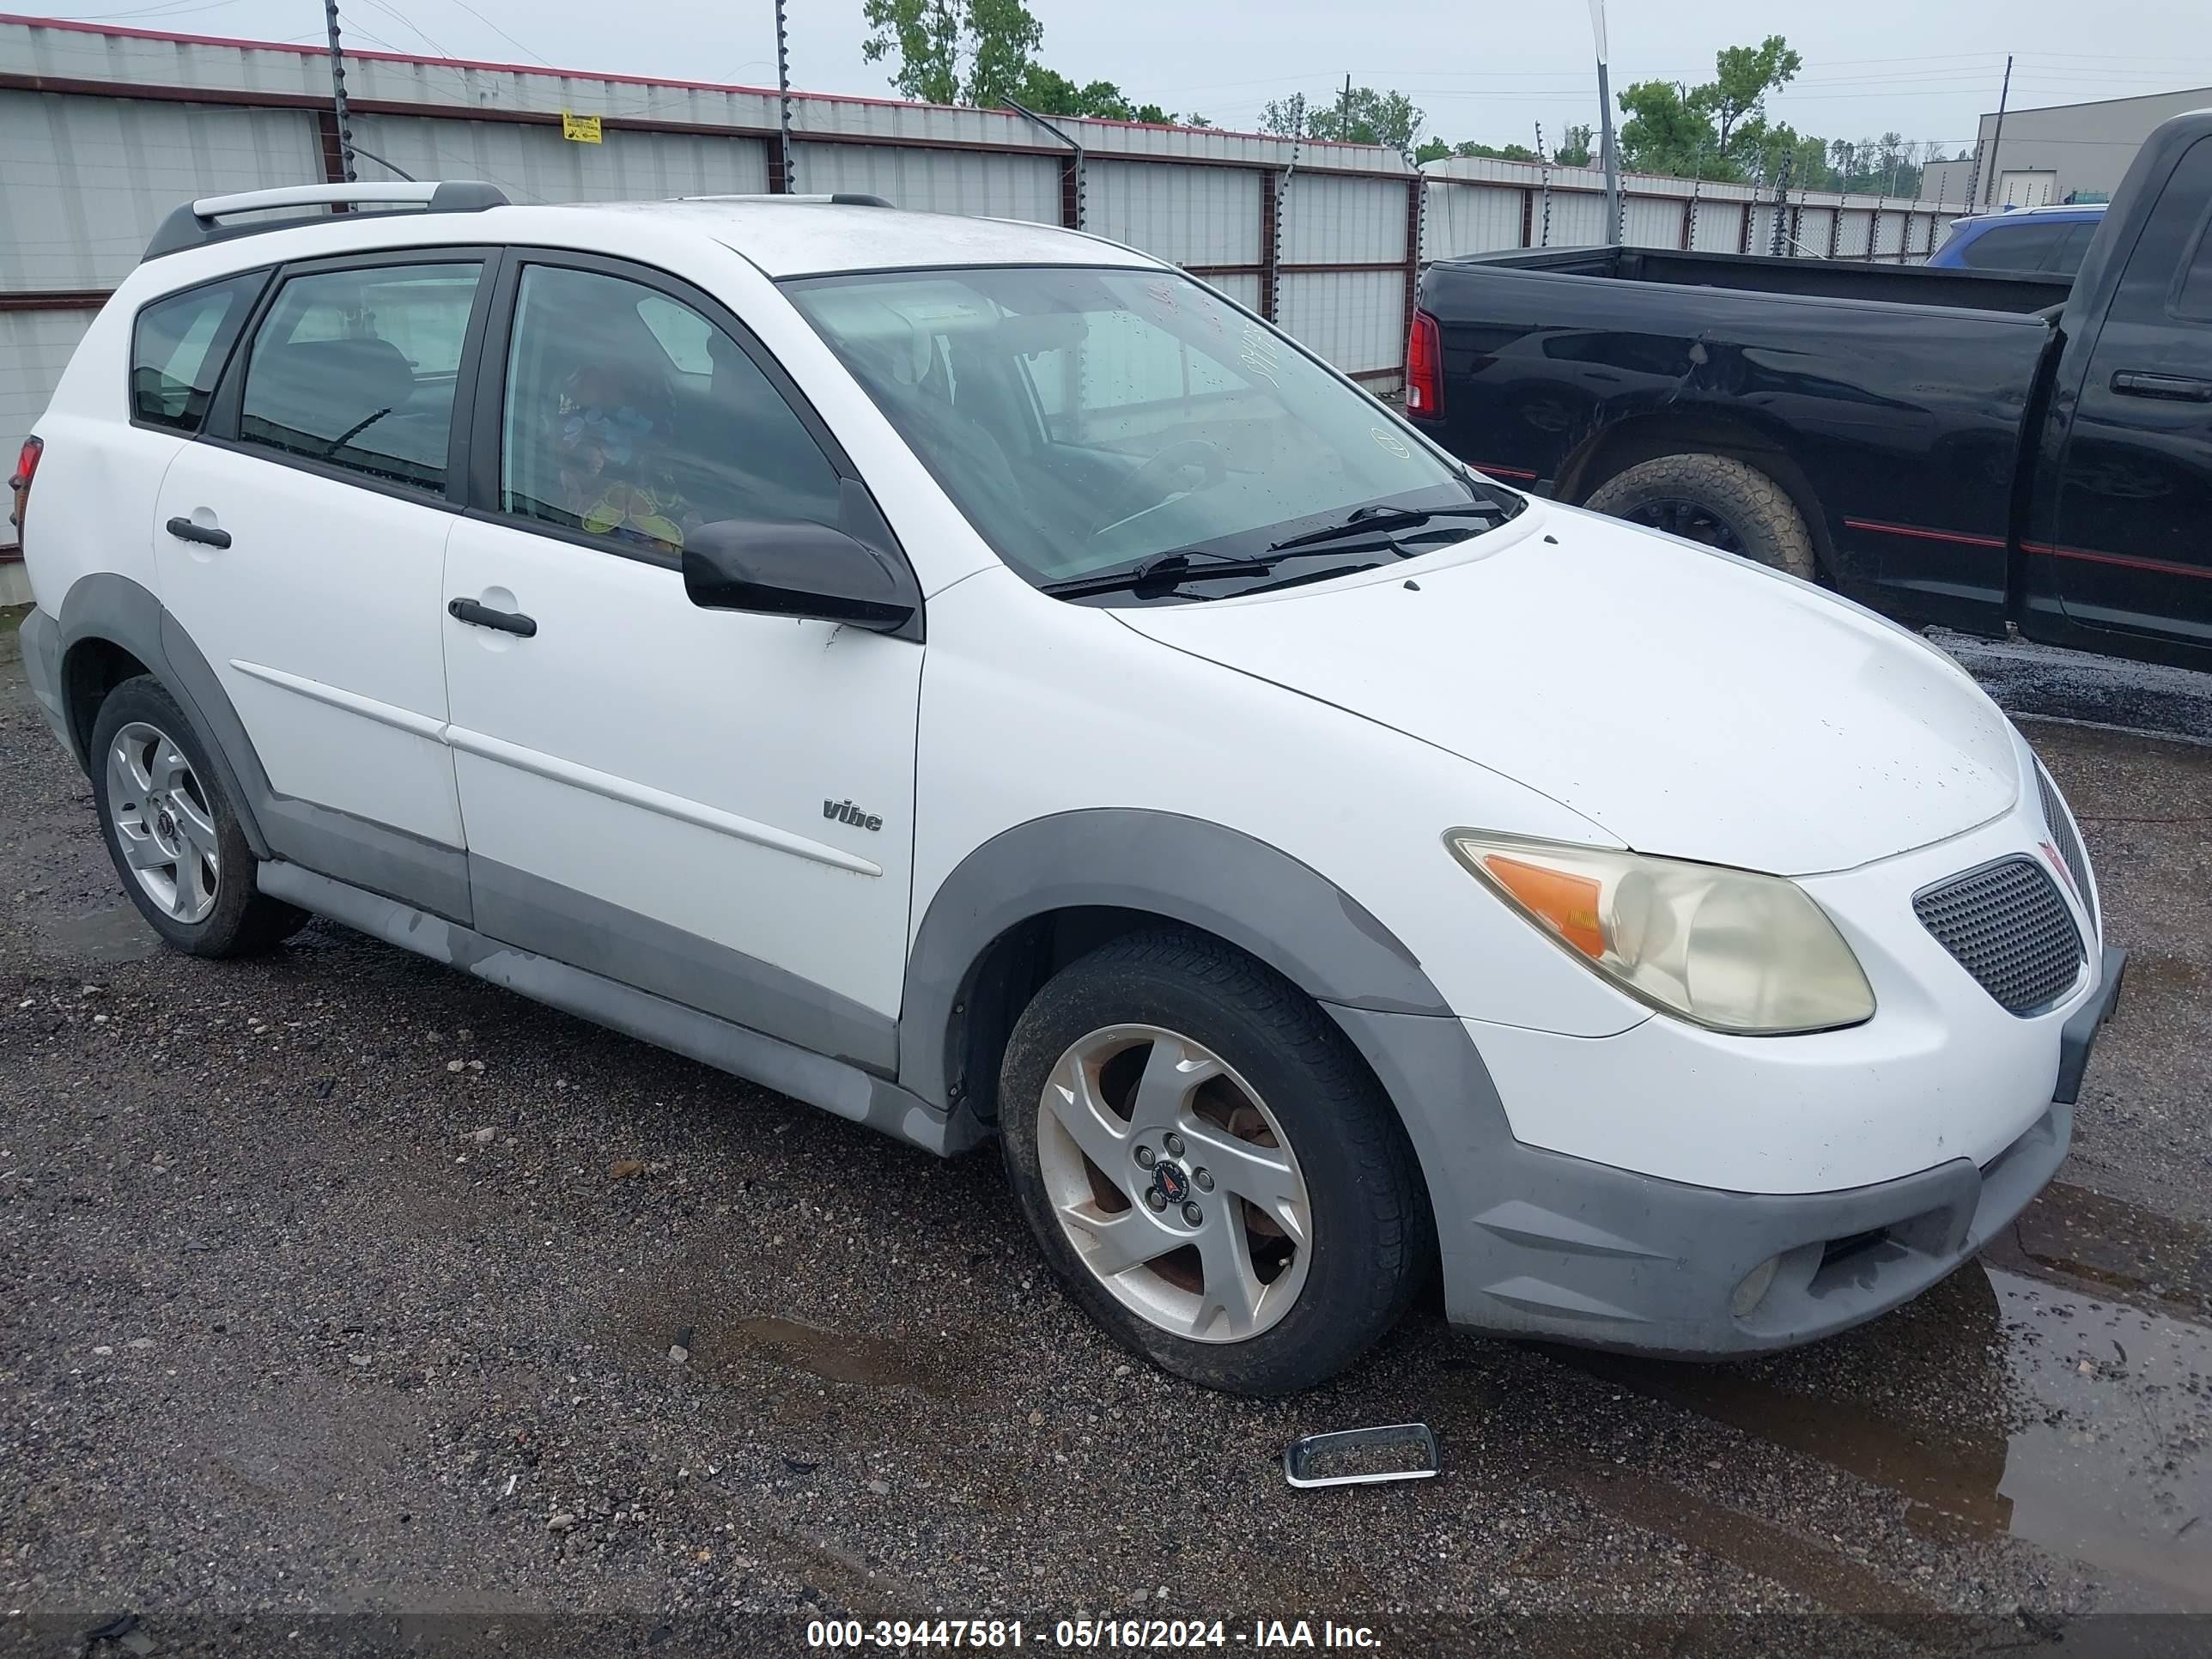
<point>580,128</point>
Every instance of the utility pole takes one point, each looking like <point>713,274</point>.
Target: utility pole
<point>337,91</point>
<point>783,96</point>
<point>1605,119</point>
<point>1996,134</point>
<point>1344,113</point>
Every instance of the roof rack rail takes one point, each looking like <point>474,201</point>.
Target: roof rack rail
<point>836,199</point>
<point>194,223</point>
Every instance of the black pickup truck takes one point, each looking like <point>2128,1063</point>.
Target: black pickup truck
<point>1948,445</point>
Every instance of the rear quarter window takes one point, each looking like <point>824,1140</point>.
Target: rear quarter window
<point>178,347</point>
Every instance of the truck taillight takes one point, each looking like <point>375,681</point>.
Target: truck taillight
<point>1425,377</point>
<point>27,467</point>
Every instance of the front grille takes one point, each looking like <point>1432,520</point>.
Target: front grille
<point>2008,925</point>
<point>2069,842</point>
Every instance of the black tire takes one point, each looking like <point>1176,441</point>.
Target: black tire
<point>1716,500</point>
<point>242,921</point>
<point>1372,1234</point>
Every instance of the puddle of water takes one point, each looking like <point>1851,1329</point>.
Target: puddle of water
<point>2085,1430</point>
<point>116,934</point>
<point>833,1356</point>
<point>2112,1466</point>
<point>2106,1240</point>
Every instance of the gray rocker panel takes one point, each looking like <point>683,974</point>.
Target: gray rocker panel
<point>832,1084</point>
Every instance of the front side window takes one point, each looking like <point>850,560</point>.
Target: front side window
<point>632,418</point>
<point>1086,420</point>
<point>356,369</point>
<point>176,350</point>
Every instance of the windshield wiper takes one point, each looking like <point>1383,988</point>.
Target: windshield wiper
<point>1164,571</point>
<point>1369,521</point>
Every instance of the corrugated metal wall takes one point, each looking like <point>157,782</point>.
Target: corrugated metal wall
<point>1347,316</point>
<point>1193,215</point>
<point>1718,228</point>
<point>1475,219</point>
<point>1651,223</point>
<point>83,181</point>
<point>1333,220</point>
<point>536,164</point>
<point>939,180</point>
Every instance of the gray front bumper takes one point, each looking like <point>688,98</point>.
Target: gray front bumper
<point>41,637</point>
<point>1535,1243</point>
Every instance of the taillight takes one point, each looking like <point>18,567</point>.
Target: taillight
<point>27,467</point>
<point>1424,378</point>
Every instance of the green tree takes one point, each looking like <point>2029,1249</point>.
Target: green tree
<point>950,52</point>
<point>1669,129</point>
<point>1575,151</point>
<point>1367,117</point>
<point>1743,76</point>
<point>1432,149</point>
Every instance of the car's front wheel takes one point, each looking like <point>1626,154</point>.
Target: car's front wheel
<point>1210,1170</point>
<point>171,832</point>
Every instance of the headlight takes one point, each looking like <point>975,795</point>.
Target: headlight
<point>1724,948</point>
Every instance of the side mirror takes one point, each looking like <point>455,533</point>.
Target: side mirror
<point>796,568</point>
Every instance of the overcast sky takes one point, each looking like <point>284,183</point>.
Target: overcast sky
<point>1923,68</point>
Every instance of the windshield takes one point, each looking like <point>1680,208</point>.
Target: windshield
<point>1088,420</point>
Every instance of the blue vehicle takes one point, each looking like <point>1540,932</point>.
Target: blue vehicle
<point>2047,241</point>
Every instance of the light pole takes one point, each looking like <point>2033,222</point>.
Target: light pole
<point>1605,128</point>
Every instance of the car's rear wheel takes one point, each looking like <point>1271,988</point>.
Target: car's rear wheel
<point>1715,500</point>
<point>1209,1171</point>
<point>171,832</point>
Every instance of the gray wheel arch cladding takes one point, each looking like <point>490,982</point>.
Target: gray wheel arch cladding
<point>1181,869</point>
<point>113,610</point>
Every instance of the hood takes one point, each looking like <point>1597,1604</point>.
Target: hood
<point>1689,703</point>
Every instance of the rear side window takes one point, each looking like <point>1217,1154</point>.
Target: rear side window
<point>356,369</point>
<point>178,347</point>
<point>2067,261</point>
<point>2014,247</point>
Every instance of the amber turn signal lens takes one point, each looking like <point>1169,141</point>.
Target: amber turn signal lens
<point>1568,903</point>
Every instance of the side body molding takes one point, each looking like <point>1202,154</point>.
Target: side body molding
<point>1256,898</point>
<point>421,873</point>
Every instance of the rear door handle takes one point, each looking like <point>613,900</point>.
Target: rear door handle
<point>2180,388</point>
<point>185,531</point>
<point>483,615</point>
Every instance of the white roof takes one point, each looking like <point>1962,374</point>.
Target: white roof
<point>799,238</point>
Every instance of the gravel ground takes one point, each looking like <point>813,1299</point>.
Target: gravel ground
<point>350,1305</point>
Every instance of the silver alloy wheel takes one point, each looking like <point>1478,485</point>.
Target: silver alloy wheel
<point>162,821</point>
<point>1175,1183</point>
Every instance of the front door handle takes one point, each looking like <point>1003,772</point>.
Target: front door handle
<point>2179,388</point>
<point>483,615</point>
<point>206,535</point>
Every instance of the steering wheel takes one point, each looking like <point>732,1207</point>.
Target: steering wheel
<point>1155,481</point>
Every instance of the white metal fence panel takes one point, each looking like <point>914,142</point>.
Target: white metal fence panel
<point>1355,319</point>
<point>1651,223</point>
<point>537,164</point>
<point>1245,290</point>
<point>1851,238</point>
<point>1889,235</point>
<point>1578,218</point>
<point>34,349</point>
<point>1193,215</point>
<point>1815,226</point>
<point>937,180</point>
<point>85,180</point>
<point>1339,221</point>
<point>1471,219</point>
<point>1719,227</point>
